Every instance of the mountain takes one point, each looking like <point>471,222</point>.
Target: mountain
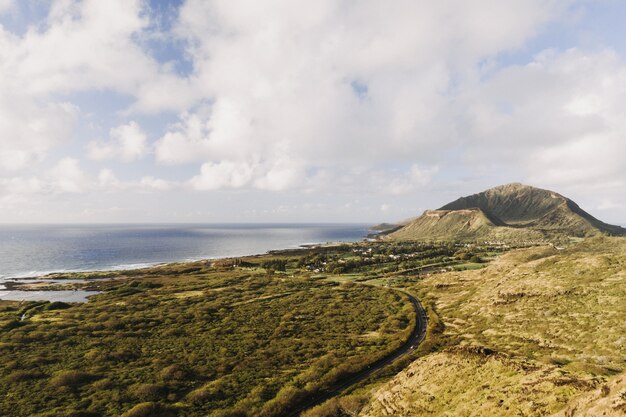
<point>508,212</point>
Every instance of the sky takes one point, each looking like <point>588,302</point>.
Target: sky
<point>305,111</point>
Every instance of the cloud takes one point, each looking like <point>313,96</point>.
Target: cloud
<point>67,176</point>
<point>186,140</point>
<point>416,177</point>
<point>29,129</point>
<point>127,143</point>
<point>6,6</point>
<point>81,46</point>
<point>608,204</point>
<point>557,119</point>
<point>84,45</point>
<point>107,181</point>
<point>149,183</point>
<point>332,98</point>
<point>226,174</point>
<point>332,84</point>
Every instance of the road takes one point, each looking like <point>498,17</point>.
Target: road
<point>419,332</point>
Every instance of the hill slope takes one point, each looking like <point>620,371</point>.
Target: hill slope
<point>512,211</point>
<point>537,332</point>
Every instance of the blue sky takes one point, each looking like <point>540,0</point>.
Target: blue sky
<point>242,111</point>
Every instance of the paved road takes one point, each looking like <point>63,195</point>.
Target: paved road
<point>419,332</point>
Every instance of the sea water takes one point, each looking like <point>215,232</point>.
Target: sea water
<point>35,250</point>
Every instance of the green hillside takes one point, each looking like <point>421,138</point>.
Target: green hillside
<point>508,212</point>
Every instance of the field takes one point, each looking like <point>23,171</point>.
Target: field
<point>194,340</point>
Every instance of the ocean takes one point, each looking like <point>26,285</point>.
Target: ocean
<point>35,250</point>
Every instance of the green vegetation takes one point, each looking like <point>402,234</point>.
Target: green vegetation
<point>512,213</point>
<point>235,338</point>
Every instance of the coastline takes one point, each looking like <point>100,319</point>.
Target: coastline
<point>78,285</point>
<point>70,249</point>
<point>53,274</point>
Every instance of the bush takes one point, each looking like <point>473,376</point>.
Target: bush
<point>70,379</point>
<point>149,392</point>
<point>13,324</point>
<point>147,409</point>
<point>82,414</point>
<point>275,264</point>
<point>342,406</point>
<point>209,392</point>
<point>57,305</point>
<point>173,373</point>
<point>286,398</point>
<point>19,376</point>
<point>475,259</point>
<point>228,413</point>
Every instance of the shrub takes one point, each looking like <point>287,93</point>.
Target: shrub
<point>70,379</point>
<point>228,413</point>
<point>475,259</point>
<point>275,264</point>
<point>149,392</point>
<point>19,376</point>
<point>173,373</point>
<point>209,392</point>
<point>103,384</point>
<point>13,324</point>
<point>82,414</point>
<point>147,409</point>
<point>57,305</point>
<point>286,398</point>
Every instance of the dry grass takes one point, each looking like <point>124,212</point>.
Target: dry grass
<point>462,383</point>
<point>555,320</point>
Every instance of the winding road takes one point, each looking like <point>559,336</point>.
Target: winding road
<point>419,332</point>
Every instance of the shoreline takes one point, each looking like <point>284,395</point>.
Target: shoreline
<point>54,282</point>
<point>51,274</point>
<point>39,251</point>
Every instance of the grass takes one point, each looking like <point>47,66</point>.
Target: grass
<point>525,336</point>
<point>193,340</point>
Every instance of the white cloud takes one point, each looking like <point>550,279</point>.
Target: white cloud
<point>84,45</point>
<point>29,129</point>
<point>88,45</point>
<point>108,180</point>
<point>187,140</point>
<point>608,204</point>
<point>557,119</point>
<point>67,176</point>
<point>19,185</point>
<point>127,143</point>
<point>6,6</point>
<point>316,84</point>
<point>149,183</point>
<point>331,97</point>
<point>223,174</point>
<point>281,175</point>
<point>416,177</point>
